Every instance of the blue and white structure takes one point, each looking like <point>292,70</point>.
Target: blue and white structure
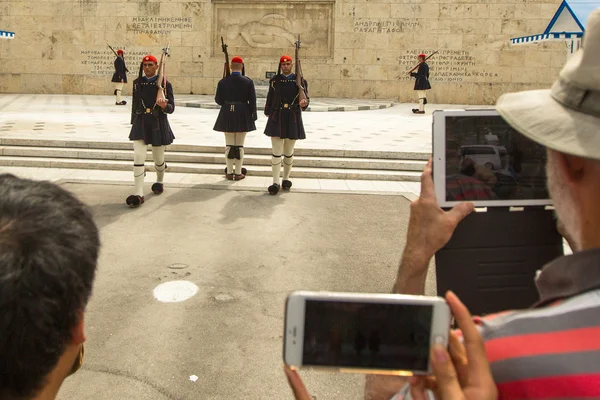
<point>7,35</point>
<point>568,24</point>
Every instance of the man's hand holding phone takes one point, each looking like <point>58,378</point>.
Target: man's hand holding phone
<point>462,371</point>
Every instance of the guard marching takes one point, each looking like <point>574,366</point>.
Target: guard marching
<point>421,84</point>
<point>119,78</point>
<point>284,108</point>
<point>150,125</point>
<point>237,97</point>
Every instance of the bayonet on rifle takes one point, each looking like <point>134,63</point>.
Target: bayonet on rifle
<point>299,77</point>
<point>162,76</point>
<point>226,68</point>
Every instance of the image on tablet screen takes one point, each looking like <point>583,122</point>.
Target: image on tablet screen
<point>488,160</point>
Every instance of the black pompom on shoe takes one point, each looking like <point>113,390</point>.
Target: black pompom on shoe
<point>286,185</point>
<point>274,189</point>
<point>134,201</point>
<point>158,188</point>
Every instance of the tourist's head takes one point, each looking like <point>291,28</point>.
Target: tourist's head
<point>150,65</point>
<point>237,64</point>
<point>48,252</point>
<point>566,119</point>
<point>286,64</point>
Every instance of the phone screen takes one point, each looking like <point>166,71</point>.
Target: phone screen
<point>367,335</point>
<point>486,159</point>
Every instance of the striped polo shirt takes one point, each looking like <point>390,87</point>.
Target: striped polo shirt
<point>552,350</point>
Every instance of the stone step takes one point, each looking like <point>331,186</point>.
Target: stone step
<point>212,158</point>
<point>189,148</point>
<point>261,91</point>
<point>254,170</point>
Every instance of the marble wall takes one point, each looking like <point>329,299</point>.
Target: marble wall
<point>350,48</point>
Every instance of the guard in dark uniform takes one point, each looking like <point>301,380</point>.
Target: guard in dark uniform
<point>237,97</point>
<point>421,84</point>
<point>120,76</point>
<point>284,125</point>
<point>150,127</point>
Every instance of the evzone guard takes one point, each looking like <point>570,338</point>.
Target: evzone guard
<point>152,101</point>
<point>421,82</point>
<point>237,97</point>
<point>119,78</point>
<point>287,98</point>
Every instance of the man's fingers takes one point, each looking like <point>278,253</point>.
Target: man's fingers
<point>458,355</point>
<point>445,374</point>
<point>460,211</point>
<point>479,368</point>
<point>417,388</point>
<point>300,392</point>
<point>427,189</point>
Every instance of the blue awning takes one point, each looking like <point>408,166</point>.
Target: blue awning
<point>568,22</point>
<point>7,35</point>
<point>546,36</point>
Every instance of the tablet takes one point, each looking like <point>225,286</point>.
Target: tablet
<point>478,157</point>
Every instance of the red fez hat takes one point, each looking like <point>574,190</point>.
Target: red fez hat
<point>284,59</point>
<point>237,59</point>
<point>119,51</point>
<point>422,55</point>
<point>151,58</point>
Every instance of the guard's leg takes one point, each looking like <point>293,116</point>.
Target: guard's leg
<point>118,89</point>
<point>240,172</point>
<point>422,101</point>
<point>158,154</point>
<point>277,147</point>
<point>139,158</point>
<point>229,141</point>
<point>288,162</point>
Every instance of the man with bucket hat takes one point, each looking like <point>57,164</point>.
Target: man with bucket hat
<point>551,349</point>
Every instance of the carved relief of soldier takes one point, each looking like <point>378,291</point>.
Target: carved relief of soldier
<point>287,98</point>
<point>237,97</point>
<point>421,83</point>
<point>119,78</point>
<point>152,100</point>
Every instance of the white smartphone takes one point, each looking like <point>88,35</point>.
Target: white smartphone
<point>369,333</point>
<point>478,157</point>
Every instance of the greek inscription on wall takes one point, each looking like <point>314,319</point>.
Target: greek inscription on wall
<point>379,25</point>
<point>446,66</point>
<point>159,25</point>
<point>101,62</point>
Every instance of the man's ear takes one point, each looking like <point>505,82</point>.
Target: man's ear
<point>78,331</point>
<point>572,167</point>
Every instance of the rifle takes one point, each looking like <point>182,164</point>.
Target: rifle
<point>427,58</point>
<point>298,73</point>
<point>113,50</point>
<point>226,69</point>
<point>162,77</point>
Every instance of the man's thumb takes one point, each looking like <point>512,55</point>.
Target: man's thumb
<point>445,373</point>
<point>459,212</point>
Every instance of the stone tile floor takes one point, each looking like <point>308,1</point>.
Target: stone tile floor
<point>79,117</point>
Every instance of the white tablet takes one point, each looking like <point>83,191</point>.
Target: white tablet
<point>478,157</point>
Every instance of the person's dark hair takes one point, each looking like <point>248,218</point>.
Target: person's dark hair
<point>49,247</point>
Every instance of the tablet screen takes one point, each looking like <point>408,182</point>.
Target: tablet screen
<point>488,160</point>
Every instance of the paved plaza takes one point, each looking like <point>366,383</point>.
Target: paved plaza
<point>245,251</point>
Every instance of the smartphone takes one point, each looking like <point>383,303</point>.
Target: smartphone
<point>369,333</point>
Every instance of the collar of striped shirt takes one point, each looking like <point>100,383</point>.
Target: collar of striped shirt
<point>569,275</point>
